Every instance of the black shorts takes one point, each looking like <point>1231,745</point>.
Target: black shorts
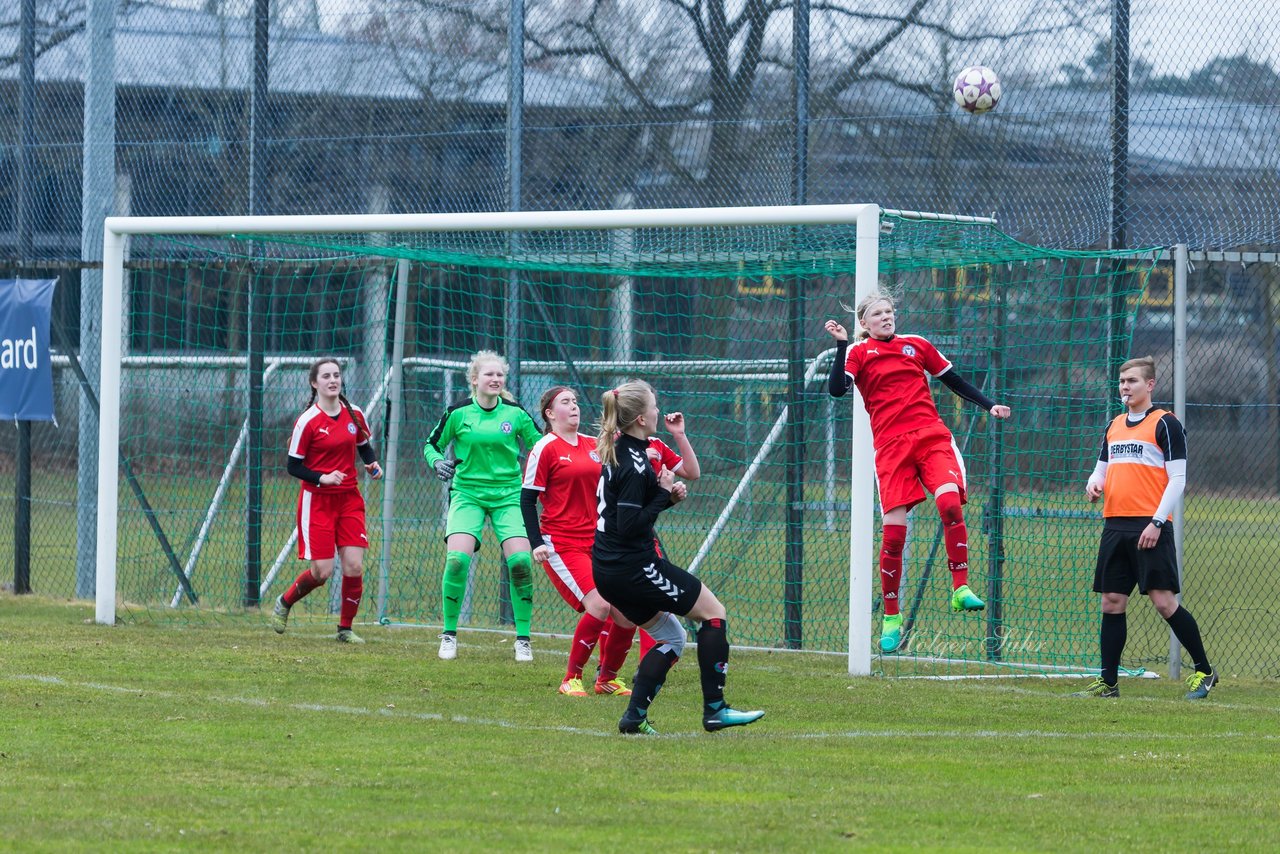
<point>643,589</point>
<point>1121,564</point>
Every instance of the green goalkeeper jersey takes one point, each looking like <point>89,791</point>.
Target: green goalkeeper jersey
<point>485,446</point>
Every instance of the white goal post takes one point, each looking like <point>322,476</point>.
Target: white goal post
<point>866,217</point>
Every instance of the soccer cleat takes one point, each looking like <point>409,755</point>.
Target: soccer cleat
<point>962,599</point>
<point>614,686</point>
<point>348,636</point>
<point>725,717</point>
<point>1200,684</point>
<point>524,650</point>
<point>279,618</point>
<point>448,647</point>
<point>573,687</point>
<point>891,633</point>
<point>635,726</point>
<point>1098,688</point>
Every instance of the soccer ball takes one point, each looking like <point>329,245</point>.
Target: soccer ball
<point>977,89</point>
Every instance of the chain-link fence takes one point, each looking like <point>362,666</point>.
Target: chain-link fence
<point>404,106</point>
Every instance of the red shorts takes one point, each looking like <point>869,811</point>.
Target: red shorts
<point>922,459</point>
<point>569,569</point>
<point>328,521</point>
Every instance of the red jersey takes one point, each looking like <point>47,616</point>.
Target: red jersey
<point>666,456</point>
<point>567,475</point>
<point>893,378</point>
<point>327,443</point>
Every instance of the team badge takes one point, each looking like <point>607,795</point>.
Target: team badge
<point>595,458</point>
<point>908,350</point>
<point>506,426</point>
<point>351,428</point>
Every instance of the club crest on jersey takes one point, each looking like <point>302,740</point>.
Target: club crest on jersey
<point>506,426</point>
<point>908,350</point>
<point>595,458</point>
<point>351,428</point>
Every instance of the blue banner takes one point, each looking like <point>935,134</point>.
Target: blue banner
<point>26,375</point>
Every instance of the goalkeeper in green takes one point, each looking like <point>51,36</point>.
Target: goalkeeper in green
<point>485,481</point>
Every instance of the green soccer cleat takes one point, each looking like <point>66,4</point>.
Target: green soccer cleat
<point>725,717</point>
<point>348,636</point>
<point>635,726</point>
<point>1098,688</point>
<point>1200,684</point>
<point>962,599</point>
<point>279,618</point>
<point>891,633</point>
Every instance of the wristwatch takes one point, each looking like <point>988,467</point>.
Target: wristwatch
<point>1159,523</point>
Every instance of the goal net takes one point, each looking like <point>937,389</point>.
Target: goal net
<point>210,326</point>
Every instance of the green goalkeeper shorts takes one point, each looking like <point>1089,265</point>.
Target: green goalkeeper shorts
<point>467,514</point>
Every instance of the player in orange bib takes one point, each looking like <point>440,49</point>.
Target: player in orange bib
<point>563,470</point>
<point>331,522</point>
<point>1140,475</point>
<point>914,450</point>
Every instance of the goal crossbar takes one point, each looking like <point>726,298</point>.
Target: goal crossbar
<point>866,218</point>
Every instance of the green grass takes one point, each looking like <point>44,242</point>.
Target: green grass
<point>224,735</point>
<point>1049,610</point>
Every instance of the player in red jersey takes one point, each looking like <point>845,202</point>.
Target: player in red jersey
<point>914,450</point>
<point>685,464</point>
<point>326,438</point>
<point>563,469</point>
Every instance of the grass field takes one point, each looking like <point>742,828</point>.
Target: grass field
<point>1049,613</point>
<point>227,736</point>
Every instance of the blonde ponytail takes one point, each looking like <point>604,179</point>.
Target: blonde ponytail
<point>619,408</point>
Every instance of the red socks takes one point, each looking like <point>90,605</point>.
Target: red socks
<point>614,649</point>
<point>584,641</point>
<point>352,593</point>
<point>894,540</point>
<point>302,585</point>
<point>956,536</point>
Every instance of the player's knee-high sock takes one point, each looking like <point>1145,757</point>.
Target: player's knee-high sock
<point>614,648</point>
<point>1187,631</point>
<point>584,641</point>
<point>352,593</point>
<point>894,540</point>
<point>713,661</point>
<point>453,588</point>
<point>956,536</point>
<point>301,586</point>
<point>649,678</point>
<point>1115,630</point>
<point>520,580</point>
<point>646,643</point>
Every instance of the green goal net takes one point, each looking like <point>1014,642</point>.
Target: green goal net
<point>710,317</point>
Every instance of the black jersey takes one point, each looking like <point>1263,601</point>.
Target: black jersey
<point>629,501</point>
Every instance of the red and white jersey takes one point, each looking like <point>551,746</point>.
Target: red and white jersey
<point>893,378</point>
<point>567,475</point>
<point>666,456</point>
<point>327,443</point>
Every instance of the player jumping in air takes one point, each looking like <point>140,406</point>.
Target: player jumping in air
<point>914,450</point>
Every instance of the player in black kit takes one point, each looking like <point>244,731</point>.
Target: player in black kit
<point>629,572</point>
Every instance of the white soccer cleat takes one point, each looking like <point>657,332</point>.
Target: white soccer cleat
<point>524,650</point>
<point>448,647</point>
